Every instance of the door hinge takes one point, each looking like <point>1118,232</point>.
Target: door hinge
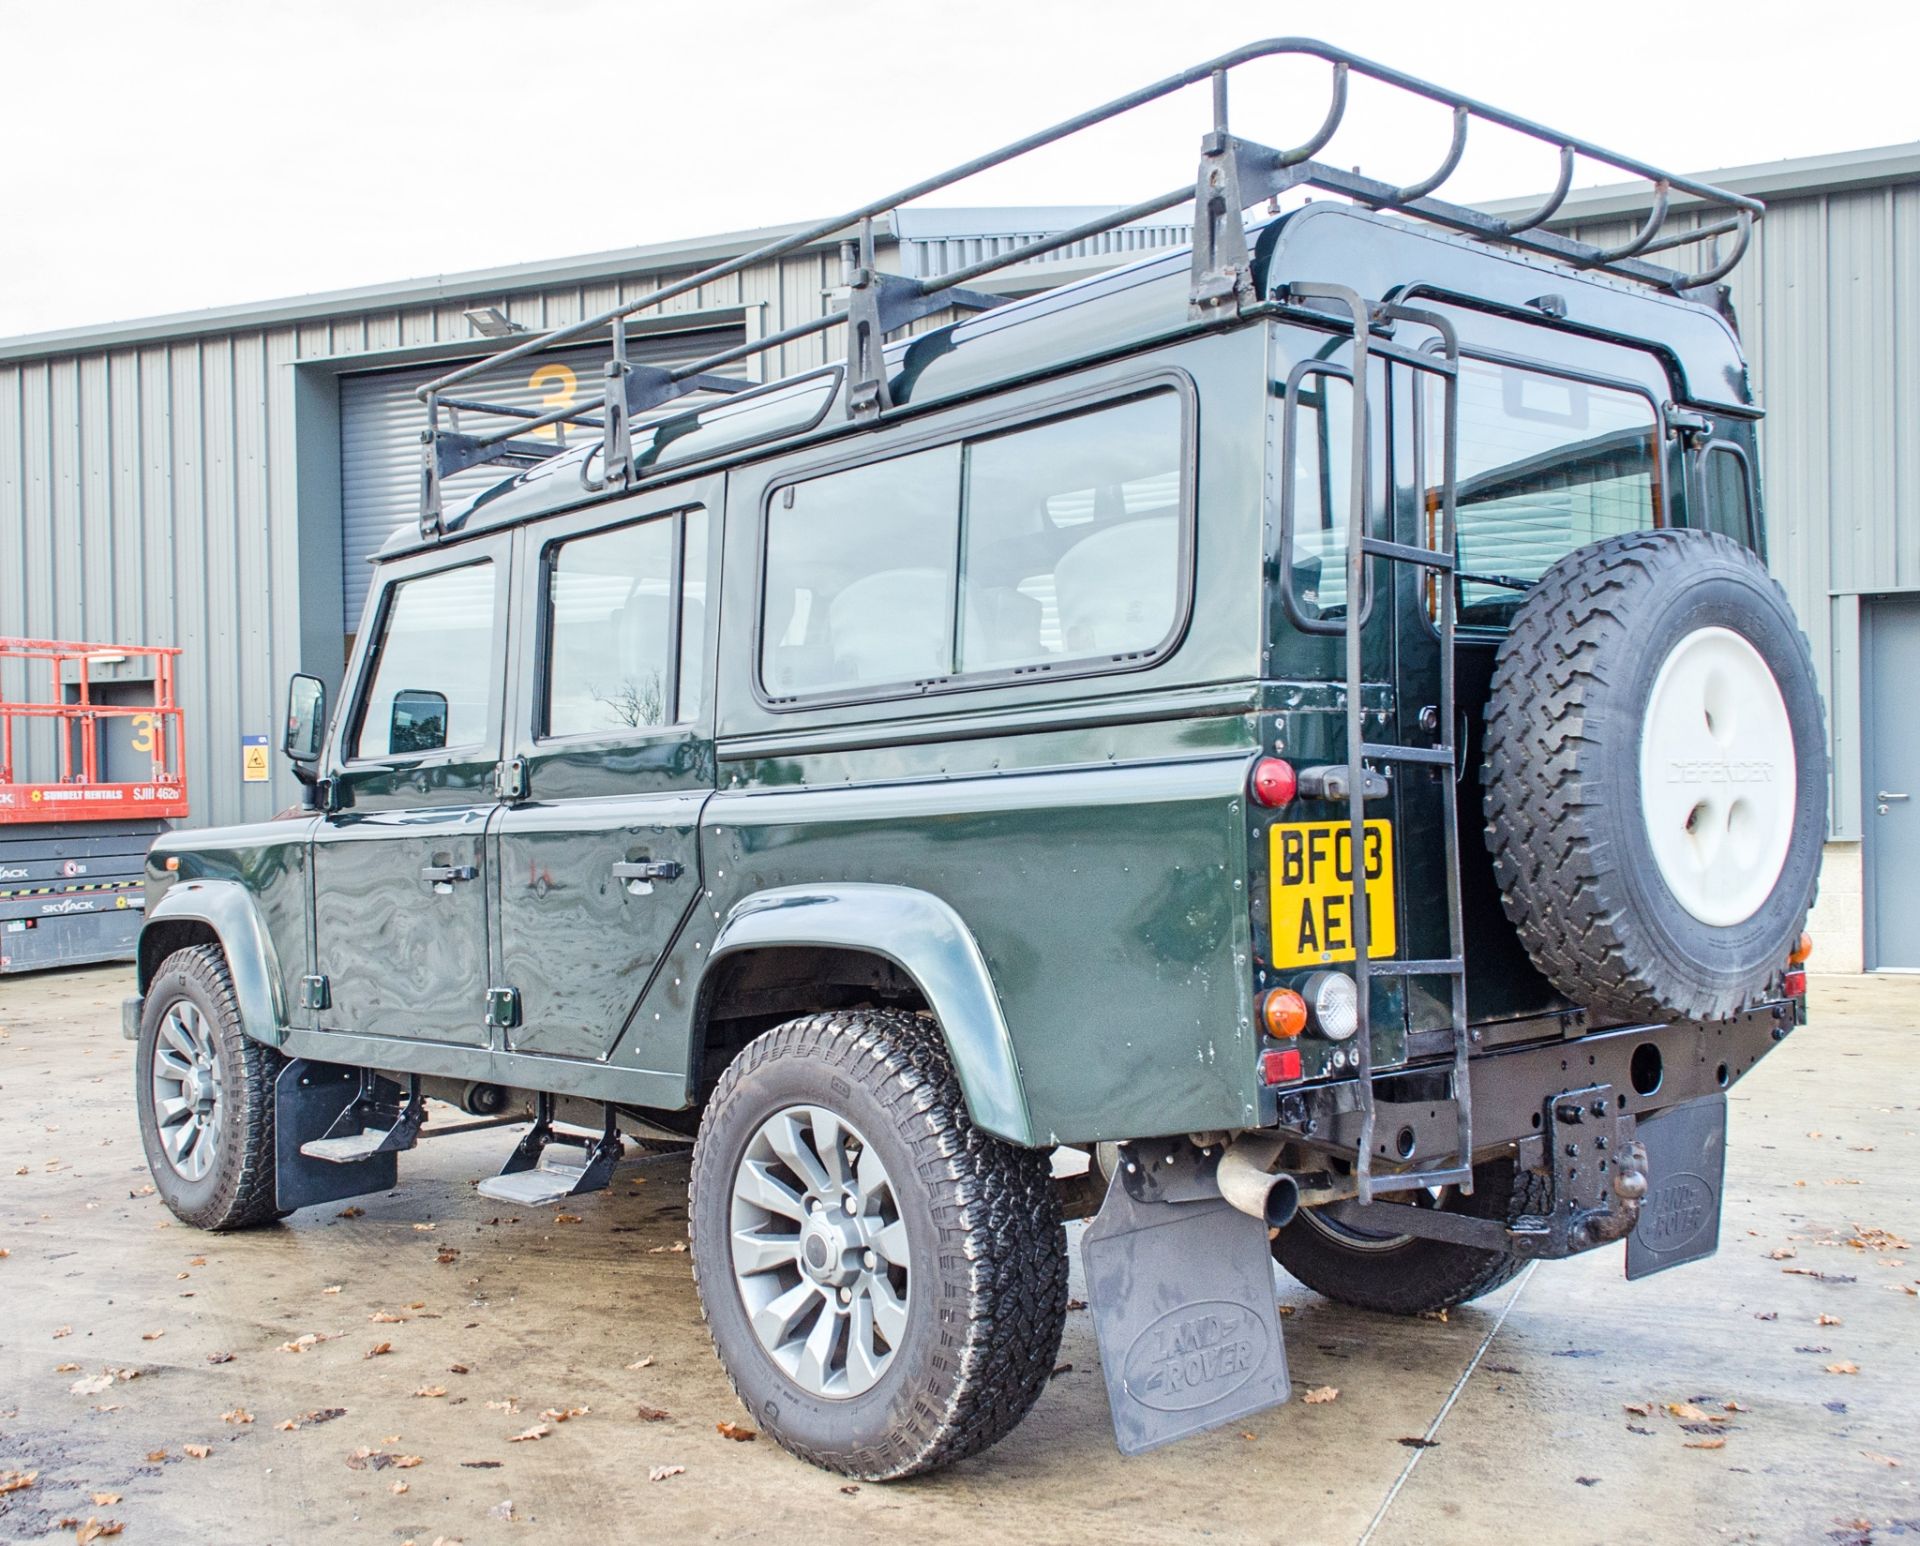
<point>510,779</point>
<point>315,993</point>
<point>503,1008</point>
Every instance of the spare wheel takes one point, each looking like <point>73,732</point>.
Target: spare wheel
<point>1656,776</point>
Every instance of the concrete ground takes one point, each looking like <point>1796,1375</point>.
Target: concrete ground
<point>1526,1399</point>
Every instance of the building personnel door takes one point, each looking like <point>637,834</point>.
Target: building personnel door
<point>1891,819</point>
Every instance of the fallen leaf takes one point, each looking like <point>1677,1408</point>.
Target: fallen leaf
<point>448,1255</point>
<point>16,1481</point>
<point>1735,1406</point>
<point>288,1425</point>
<point>155,1456</point>
<point>350,1213</point>
<point>1886,1460</point>
<point>1686,1411</point>
<point>333,1290</point>
<point>1713,1443</point>
<point>1060,1369</point>
<point>62,1331</point>
<point>105,1499</point>
<point>198,1451</point>
<point>1640,1408</point>
<point>1320,1394</point>
<point>406,1462</point>
<point>1827,1320</point>
<point>1434,1315</point>
<point>301,1343</point>
<point>642,1363</point>
<point>431,1390</point>
<point>560,1414</point>
<point>91,1386</point>
<point>661,1472</point>
<point>1421,1443</point>
<point>457,1368</point>
<point>537,1431</point>
<point>567,1218</point>
<point>66,1368</point>
<point>416,1304</point>
<point>97,1530</point>
<point>1785,1253</point>
<point>378,1350</point>
<point>482,1465</point>
<point>383,1318</point>
<point>501,1510</point>
<point>396,1488</point>
<point>239,1416</point>
<point>651,1414</point>
<point>196,1261</point>
<point>509,1406</point>
<point>423,1228</point>
<point>1845,1366</point>
<point>219,1358</point>
<point>738,1432</point>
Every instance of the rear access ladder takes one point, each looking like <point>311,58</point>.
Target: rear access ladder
<point>1372,322</point>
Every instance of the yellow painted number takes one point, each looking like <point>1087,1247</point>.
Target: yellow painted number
<point>142,733</point>
<point>561,384</point>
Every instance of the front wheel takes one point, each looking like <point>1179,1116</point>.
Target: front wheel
<point>885,1284</point>
<point>1410,1274</point>
<point>204,1090</point>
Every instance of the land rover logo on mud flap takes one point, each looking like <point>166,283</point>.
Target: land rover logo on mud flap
<point>1194,1356</point>
<point>1675,1213</point>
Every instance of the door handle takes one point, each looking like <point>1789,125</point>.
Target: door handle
<point>441,873</point>
<point>647,869</point>
<point>1883,795</point>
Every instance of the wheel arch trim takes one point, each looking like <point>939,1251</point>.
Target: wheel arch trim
<point>227,909</point>
<point>925,938</point>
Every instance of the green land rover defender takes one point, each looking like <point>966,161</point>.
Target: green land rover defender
<point>1289,748</point>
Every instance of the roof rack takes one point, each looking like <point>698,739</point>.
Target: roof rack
<point>1234,174</point>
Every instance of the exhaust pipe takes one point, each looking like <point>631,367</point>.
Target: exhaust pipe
<point>1248,1185</point>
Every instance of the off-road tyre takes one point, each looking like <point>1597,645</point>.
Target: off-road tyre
<point>1411,1275</point>
<point>988,1247</point>
<point>1569,835</point>
<point>238,1191</point>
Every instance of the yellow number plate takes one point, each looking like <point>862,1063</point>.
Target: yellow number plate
<point>1313,892</point>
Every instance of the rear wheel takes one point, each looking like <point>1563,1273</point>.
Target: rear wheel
<point>885,1284</point>
<point>204,1090</point>
<point>1406,1274</point>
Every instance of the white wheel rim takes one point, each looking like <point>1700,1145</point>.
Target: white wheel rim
<point>1718,779</point>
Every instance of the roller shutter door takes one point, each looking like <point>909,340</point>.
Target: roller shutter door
<point>381,420</point>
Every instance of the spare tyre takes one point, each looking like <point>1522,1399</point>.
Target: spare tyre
<point>1656,776</point>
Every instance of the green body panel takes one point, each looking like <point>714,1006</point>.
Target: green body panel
<point>1066,865</point>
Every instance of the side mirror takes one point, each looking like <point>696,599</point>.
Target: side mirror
<point>419,722</point>
<point>306,726</point>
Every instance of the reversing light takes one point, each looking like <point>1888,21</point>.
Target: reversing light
<point>1280,1067</point>
<point>1284,1014</point>
<point>1802,948</point>
<point>1273,782</point>
<point>1794,984</point>
<point>1335,1003</point>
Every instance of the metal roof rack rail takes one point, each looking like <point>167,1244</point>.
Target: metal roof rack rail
<point>1234,174</point>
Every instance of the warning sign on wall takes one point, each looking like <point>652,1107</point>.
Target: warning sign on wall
<point>253,759</point>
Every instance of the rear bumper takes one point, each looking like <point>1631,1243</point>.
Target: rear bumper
<point>1650,1068</point>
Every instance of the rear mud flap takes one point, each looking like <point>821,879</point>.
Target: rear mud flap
<point>1686,1168</point>
<point>1183,1304</point>
<point>307,1097</point>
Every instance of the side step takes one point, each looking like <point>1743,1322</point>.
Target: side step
<point>370,1124</point>
<point>545,1168</point>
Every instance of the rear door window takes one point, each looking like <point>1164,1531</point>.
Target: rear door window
<point>1547,464</point>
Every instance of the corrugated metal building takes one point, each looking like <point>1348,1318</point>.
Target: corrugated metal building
<point>214,480</point>
<point>1829,307</point>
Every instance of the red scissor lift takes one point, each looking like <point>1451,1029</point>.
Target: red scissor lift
<point>90,773</point>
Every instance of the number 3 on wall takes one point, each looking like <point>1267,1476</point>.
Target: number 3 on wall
<point>561,383</point>
<point>142,733</point>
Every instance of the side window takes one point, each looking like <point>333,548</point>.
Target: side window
<point>432,667</point>
<point>1546,464</point>
<point>623,643</point>
<point>1729,490</point>
<point>1058,543</point>
<point>1320,494</point>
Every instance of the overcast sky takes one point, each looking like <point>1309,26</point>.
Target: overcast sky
<point>167,156</point>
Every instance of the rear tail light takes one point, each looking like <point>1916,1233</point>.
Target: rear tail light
<point>1273,782</point>
<point>1283,1013</point>
<point>1280,1067</point>
<point>1794,984</point>
<point>1802,948</point>
<point>1335,1002</point>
